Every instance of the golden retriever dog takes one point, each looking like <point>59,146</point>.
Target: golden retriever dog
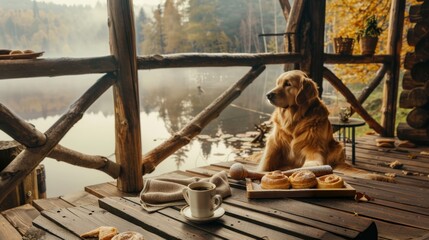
<point>302,134</point>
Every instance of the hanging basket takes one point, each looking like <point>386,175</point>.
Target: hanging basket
<point>343,45</point>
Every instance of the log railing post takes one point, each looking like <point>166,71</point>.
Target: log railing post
<point>391,84</point>
<point>128,148</point>
<point>317,41</point>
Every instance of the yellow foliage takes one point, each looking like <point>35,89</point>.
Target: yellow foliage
<point>345,17</point>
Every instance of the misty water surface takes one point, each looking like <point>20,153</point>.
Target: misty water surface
<point>169,99</point>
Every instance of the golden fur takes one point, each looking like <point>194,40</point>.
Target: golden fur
<point>302,134</point>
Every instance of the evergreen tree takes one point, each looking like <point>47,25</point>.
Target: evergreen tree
<point>140,23</point>
<point>172,28</point>
<point>153,40</point>
<point>36,13</point>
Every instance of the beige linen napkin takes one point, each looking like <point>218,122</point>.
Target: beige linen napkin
<point>164,192</point>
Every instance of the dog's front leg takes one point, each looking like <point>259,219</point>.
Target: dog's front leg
<point>273,157</point>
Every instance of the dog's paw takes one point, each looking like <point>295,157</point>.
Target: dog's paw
<point>312,163</point>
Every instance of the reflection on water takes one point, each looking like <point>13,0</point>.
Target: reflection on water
<point>169,99</point>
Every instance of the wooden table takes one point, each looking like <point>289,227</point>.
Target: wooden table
<point>397,211</point>
<point>347,131</point>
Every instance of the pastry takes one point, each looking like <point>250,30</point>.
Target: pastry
<point>103,233</point>
<point>15,52</point>
<point>303,179</point>
<point>275,180</point>
<point>330,181</point>
<point>129,235</point>
<point>385,142</point>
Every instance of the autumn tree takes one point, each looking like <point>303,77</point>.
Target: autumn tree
<point>154,40</point>
<point>172,28</point>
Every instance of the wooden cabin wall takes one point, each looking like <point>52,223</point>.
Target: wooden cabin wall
<point>415,83</point>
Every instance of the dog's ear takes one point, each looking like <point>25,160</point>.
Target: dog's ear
<point>307,92</point>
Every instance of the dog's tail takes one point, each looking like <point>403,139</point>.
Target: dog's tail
<point>348,170</point>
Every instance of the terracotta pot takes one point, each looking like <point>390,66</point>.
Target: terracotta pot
<point>368,45</point>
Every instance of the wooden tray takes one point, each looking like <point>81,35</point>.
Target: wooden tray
<point>254,190</point>
<point>21,56</point>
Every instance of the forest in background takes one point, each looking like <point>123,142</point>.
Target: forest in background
<point>174,26</point>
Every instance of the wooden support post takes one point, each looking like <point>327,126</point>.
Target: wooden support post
<point>128,149</point>
<point>291,42</point>
<point>316,10</point>
<point>391,84</point>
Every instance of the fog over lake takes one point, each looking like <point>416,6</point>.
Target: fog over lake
<point>169,99</point>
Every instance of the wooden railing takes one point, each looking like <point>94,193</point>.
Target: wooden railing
<point>121,73</point>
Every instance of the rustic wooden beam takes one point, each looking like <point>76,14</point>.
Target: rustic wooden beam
<point>19,129</point>
<point>356,59</point>
<point>339,85</point>
<point>70,156</point>
<point>76,66</point>
<point>10,149</point>
<point>28,159</point>
<point>27,135</point>
<point>316,10</point>
<point>291,38</point>
<point>373,84</point>
<point>128,147</point>
<point>55,67</point>
<point>420,136</point>
<point>391,84</point>
<point>292,25</point>
<point>183,60</point>
<point>409,83</point>
<point>285,8</point>
<point>193,128</point>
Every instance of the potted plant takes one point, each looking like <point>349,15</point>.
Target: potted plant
<point>368,35</point>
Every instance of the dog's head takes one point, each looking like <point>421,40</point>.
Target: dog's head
<point>293,88</point>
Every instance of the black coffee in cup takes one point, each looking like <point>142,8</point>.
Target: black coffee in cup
<point>201,188</point>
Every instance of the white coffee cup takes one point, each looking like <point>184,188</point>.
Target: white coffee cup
<point>202,199</point>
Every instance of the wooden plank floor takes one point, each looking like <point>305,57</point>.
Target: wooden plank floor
<point>398,210</point>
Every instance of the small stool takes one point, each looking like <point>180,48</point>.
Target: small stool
<point>346,130</point>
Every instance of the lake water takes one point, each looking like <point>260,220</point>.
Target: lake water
<point>169,99</point>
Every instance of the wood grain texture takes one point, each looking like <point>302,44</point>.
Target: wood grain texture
<point>316,10</point>
<point>155,222</point>
<point>391,84</point>
<point>56,67</point>
<point>7,230</point>
<point>21,217</point>
<point>214,60</point>
<point>79,220</point>
<point>128,148</point>
<point>20,130</point>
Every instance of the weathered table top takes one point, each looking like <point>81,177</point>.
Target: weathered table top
<point>398,211</point>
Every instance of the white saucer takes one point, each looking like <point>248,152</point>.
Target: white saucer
<point>186,212</point>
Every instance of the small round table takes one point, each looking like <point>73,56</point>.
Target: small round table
<point>346,130</point>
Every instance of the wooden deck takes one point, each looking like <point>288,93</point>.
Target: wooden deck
<point>398,211</point>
